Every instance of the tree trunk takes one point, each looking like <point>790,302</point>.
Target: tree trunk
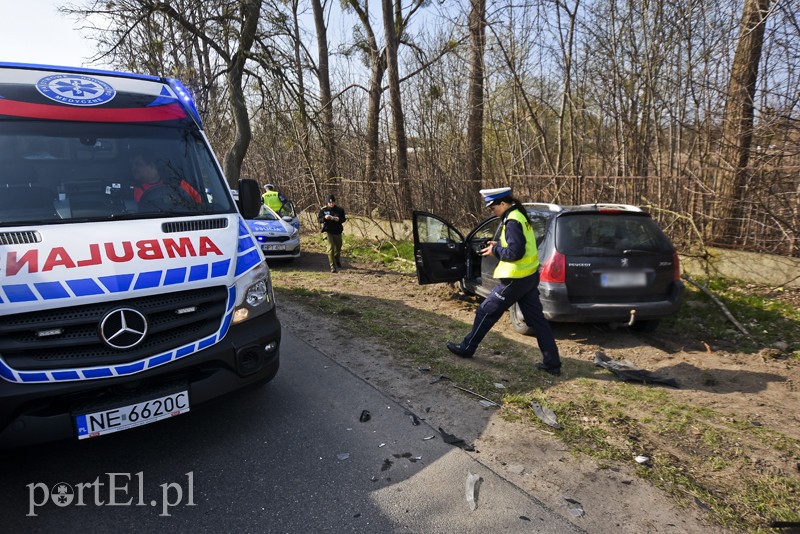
<point>477,44</point>
<point>325,100</point>
<point>241,116</point>
<point>737,133</point>
<point>377,66</point>
<point>398,123</point>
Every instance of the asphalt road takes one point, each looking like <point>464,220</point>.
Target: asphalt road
<point>289,457</point>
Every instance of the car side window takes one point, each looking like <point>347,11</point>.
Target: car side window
<point>539,227</point>
<point>488,231</point>
<point>435,231</point>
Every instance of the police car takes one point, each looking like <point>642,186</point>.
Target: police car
<point>277,235</point>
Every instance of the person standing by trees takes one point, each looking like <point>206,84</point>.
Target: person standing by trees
<point>518,272</point>
<point>332,218</point>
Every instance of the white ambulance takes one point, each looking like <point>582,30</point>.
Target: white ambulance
<point>131,289</point>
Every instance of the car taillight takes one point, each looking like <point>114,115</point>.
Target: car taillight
<point>555,269</point>
<point>676,264</point>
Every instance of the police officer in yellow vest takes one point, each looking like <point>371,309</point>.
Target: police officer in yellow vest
<point>518,272</point>
<point>272,198</point>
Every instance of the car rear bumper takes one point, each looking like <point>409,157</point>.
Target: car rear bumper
<point>558,308</point>
<point>37,413</point>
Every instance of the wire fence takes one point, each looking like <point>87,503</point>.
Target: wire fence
<point>766,220</point>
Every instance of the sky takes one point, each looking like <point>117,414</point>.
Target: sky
<point>32,31</point>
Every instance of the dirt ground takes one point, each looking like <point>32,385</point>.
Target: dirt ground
<point>755,388</point>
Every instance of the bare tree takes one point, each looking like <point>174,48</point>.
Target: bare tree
<point>229,30</point>
<point>377,67</point>
<point>392,26</point>
<point>477,43</point>
<point>325,100</point>
<point>737,130</point>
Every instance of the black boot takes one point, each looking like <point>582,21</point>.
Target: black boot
<point>555,371</point>
<point>458,350</point>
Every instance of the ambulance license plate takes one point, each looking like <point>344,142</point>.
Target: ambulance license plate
<point>95,424</point>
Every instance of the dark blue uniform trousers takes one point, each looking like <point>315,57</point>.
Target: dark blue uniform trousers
<point>524,291</point>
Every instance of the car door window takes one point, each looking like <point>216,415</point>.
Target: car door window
<point>287,210</point>
<point>432,230</point>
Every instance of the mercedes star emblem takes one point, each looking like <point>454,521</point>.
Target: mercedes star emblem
<point>123,328</point>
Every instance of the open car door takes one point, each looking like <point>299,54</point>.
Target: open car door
<point>440,251</point>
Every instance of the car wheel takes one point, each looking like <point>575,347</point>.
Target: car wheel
<point>645,326</point>
<point>518,322</point>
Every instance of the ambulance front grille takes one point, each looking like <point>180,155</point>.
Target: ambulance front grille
<point>194,225</point>
<point>68,338</point>
<point>20,238</point>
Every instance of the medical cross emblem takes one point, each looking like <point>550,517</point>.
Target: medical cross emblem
<point>77,87</point>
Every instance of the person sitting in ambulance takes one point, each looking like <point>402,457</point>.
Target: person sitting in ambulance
<point>152,192</point>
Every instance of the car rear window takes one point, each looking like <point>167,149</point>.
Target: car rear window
<point>599,234</point>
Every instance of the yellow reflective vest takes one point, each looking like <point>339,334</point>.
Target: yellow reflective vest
<point>272,200</point>
<point>528,263</point>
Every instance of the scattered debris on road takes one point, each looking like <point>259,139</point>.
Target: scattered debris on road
<point>414,419</point>
<point>453,440</point>
<point>574,508</point>
<point>628,372</point>
<point>545,414</point>
<point>472,485</point>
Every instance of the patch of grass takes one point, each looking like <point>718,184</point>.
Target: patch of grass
<point>398,255</point>
<point>768,318</point>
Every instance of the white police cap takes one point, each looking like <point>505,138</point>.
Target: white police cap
<point>492,195</point>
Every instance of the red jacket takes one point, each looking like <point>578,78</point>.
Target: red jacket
<point>139,190</point>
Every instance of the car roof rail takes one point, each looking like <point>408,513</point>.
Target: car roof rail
<point>549,206</point>
<point>604,206</point>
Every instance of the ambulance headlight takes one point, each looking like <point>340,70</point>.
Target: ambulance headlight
<point>258,299</point>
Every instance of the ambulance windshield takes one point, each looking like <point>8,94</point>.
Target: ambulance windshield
<point>59,171</point>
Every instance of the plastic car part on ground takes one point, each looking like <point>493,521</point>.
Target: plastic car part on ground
<point>630,373</point>
<point>574,507</point>
<point>471,490</point>
<point>545,414</point>
<point>453,440</point>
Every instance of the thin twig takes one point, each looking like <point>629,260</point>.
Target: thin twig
<point>724,308</point>
<point>476,394</point>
